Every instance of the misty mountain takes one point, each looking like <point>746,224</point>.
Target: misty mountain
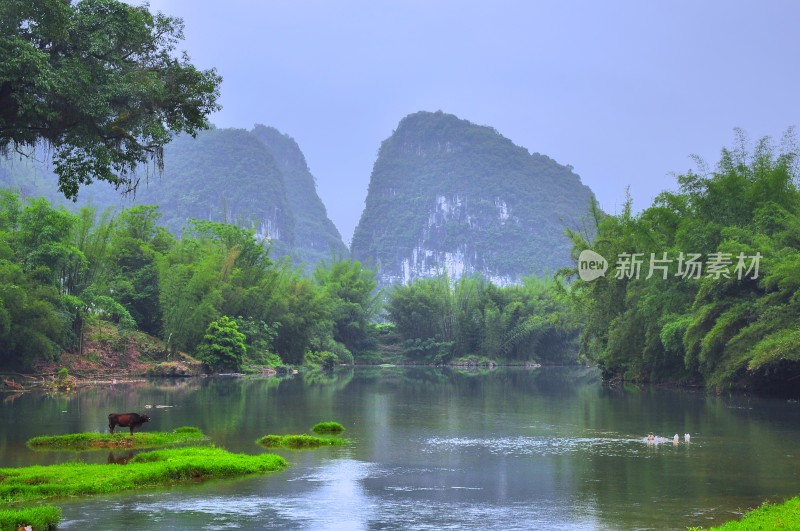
<point>449,195</point>
<point>256,179</point>
<point>315,235</point>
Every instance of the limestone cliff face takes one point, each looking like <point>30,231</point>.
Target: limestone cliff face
<point>316,237</point>
<point>446,195</point>
<point>223,175</point>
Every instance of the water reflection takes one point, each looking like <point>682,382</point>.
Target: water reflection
<point>120,458</point>
<point>434,448</point>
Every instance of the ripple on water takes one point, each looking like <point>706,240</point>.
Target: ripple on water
<point>540,446</point>
<point>337,496</point>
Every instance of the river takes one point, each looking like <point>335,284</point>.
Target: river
<point>547,448</point>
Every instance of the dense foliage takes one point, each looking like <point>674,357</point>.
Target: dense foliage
<point>214,292</point>
<point>98,81</point>
<point>446,193</point>
<point>440,321</point>
<point>732,326</point>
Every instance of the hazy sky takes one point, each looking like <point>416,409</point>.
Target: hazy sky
<point>622,91</point>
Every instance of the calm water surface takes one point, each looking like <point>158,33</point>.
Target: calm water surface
<point>547,448</point>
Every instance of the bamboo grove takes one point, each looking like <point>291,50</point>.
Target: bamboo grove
<point>720,328</point>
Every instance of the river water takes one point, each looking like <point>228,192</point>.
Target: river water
<point>547,448</point>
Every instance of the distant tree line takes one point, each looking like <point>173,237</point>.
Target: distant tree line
<point>439,321</point>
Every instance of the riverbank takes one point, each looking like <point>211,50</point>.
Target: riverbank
<point>111,357</point>
<point>784,515</point>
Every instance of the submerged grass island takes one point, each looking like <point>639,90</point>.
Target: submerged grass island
<point>150,469</point>
<point>102,441</point>
<point>298,442</point>
<point>302,442</point>
<point>328,427</point>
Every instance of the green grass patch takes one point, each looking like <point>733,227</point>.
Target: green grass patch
<point>769,516</point>
<point>99,441</point>
<point>151,469</point>
<point>298,442</point>
<point>328,427</point>
<point>39,518</point>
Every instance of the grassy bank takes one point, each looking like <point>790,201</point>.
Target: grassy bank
<point>298,442</point>
<point>39,518</point>
<point>99,441</point>
<point>767,517</point>
<point>161,467</point>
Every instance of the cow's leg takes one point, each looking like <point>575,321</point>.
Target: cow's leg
<point>131,430</point>
<point>111,427</point>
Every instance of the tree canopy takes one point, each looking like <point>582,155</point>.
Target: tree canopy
<point>98,82</point>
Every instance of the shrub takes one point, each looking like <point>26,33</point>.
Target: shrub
<point>325,359</point>
<point>223,346</point>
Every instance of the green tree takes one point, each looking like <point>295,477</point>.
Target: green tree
<point>137,245</point>
<point>97,80</point>
<point>299,307</point>
<point>350,288</point>
<point>259,338</point>
<point>190,295</point>
<point>223,346</point>
<point>38,314</point>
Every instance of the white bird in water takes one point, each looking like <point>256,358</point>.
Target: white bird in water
<point>687,437</point>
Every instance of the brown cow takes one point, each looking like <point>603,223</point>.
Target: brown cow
<point>126,420</point>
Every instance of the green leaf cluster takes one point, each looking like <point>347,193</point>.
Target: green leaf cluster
<point>98,81</point>
<point>327,427</point>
